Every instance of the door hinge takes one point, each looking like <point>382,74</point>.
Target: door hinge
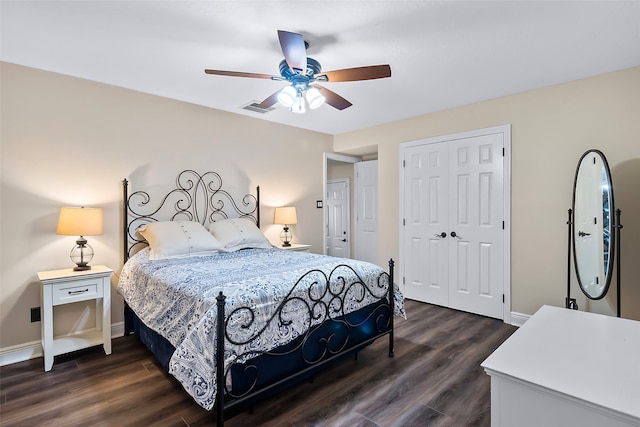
<point>503,225</point>
<point>502,151</point>
<point>503,298</point>
<point>403,280</point>
<point>404,163</point>
<point>403,222</point>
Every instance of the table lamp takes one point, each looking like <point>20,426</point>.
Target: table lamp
<point>286,216</point>
<point>80,221</point>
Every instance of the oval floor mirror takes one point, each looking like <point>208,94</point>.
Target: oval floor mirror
<point>593,228</point>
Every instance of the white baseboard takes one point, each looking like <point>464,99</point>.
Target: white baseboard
<point>33,349</point>
<point>117,330</point>
<point>20,353</point>
<point>519,319</point>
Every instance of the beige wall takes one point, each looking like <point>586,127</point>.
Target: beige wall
<point>551,128</point>
<point>67,141</point>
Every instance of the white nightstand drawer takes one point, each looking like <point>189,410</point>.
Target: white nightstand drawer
<point>79,290</point>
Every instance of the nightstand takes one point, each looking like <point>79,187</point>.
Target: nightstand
<point>67,286</point>
<point>296,247</point>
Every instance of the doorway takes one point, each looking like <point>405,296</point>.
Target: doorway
<point>336,166</point>
<point>455,214</point>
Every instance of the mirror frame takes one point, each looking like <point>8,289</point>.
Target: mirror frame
<point>611,227</point>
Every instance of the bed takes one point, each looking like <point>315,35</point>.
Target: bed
<point>231,317</point>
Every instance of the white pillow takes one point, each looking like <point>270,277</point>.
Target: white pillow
<point>238,233</point>
<point>178,239</point>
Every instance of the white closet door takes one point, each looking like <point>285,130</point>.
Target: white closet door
<point>426,218</point>
<point>476,207</point>
<point>453,241</point>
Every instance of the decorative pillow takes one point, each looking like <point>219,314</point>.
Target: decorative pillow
<point>178,239</point>
<point>238,233</point>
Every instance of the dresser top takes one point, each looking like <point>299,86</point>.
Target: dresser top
<point>592,357</point>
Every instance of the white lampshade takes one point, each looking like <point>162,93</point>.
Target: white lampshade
<point>80,222</point>
<point>286,215</point>
<point>314,98</point>
<point>287,96</point>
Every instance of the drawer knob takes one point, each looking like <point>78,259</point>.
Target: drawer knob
<point>81,291</point>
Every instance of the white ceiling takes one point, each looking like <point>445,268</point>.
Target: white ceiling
<point>442,53</point>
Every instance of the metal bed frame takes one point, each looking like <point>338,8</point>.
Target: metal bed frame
<point>200,197</point>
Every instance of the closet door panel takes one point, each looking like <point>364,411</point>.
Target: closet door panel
<point>426,189</point>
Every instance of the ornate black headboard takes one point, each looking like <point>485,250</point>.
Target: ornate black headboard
<point>196,197</point>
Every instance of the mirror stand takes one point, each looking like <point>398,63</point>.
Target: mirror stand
<point>571,303</point>
<point>617,227</point>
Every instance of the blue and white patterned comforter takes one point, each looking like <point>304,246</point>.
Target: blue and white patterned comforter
<point>177,299</point>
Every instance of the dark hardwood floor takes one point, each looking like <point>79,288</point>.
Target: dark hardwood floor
<point>435,379</point>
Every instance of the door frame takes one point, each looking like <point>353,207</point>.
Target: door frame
<point>506,131</point>
<point>326,158</point>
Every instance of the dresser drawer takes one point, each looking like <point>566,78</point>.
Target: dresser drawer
<point>78,290</point>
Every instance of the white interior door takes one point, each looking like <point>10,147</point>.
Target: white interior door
<point>337,227</point>
<point>366,209</point>
<point>453,212</point>
<point>476,206</point>
<point>425,220</point>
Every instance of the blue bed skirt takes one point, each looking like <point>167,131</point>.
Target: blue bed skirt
<point>285,361</point>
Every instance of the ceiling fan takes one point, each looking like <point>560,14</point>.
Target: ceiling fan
<point>303,73</point>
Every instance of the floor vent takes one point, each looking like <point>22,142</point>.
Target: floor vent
<point>254,106</point>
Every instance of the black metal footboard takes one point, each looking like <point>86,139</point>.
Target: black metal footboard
<point>332,333</point>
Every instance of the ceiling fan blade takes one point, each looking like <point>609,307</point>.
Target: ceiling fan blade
<point>271,100</point>
<point>294,50</point>
<point>359,73</point>
<point>333,99</point>
<point>241,74</point>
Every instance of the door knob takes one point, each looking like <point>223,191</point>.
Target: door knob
<point>583,234</point>
<point>443,235</point>
<point>453,234</point>
<point>344,240</point>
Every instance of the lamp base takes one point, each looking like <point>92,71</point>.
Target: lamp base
<point>285,236</point>
<point>81,255</point>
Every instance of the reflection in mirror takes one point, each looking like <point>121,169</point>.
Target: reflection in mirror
<point>593,225</point>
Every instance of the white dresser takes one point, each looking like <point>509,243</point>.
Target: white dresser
<point>567,368</point>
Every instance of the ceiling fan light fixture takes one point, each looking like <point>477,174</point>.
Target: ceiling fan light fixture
<point>302,72</point>
<point>314,98</point>
<point>298,105</point>
<point>287,96</point>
